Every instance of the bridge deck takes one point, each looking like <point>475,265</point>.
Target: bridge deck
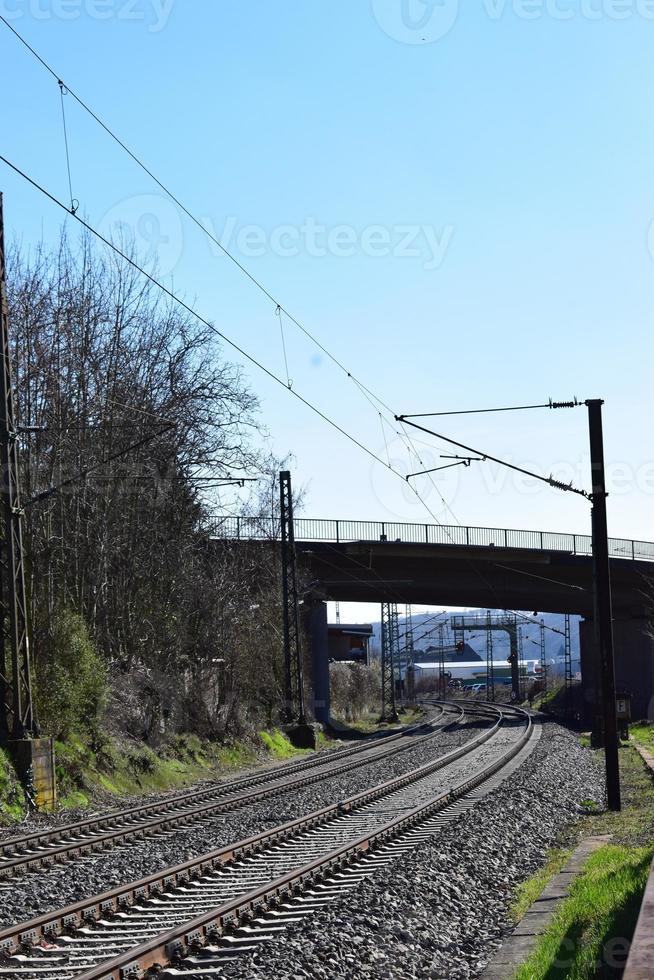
<point>343,532</point>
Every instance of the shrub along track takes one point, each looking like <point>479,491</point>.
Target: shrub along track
<point>64,843</point>
<point>172,914</point>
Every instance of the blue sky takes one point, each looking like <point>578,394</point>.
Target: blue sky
<point>464,220</point>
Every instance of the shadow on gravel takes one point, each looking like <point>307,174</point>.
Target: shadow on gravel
<point>339,729</point>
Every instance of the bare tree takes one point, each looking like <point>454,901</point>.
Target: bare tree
<point>124,400</point>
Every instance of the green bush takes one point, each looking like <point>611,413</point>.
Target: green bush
<point>12,798</point>
<point>71,679</point>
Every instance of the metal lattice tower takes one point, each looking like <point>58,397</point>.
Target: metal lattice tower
<point>490,673</point>
<point>409,654</point>
<point>16,711</point>
<point>441,658</point>
<point>293,680</point>
<point>543,656</point>
<point>504,622</point>
<point>567,666</point>
<point>390,643</point>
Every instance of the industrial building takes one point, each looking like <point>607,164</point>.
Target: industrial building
<point>349,642</point>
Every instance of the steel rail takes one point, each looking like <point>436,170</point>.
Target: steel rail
<point>226,786</point>
<point>52,924</point>
<point>172,944</point>
<point>114,828</point>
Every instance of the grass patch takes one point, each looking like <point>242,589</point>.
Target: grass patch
<point>120,767</point>
<point>643,734</point>
<point>370,724</point>
<point>633,825</point>
<point>587,936</point>
<point>529,890</point>
<point>12,798</point>
<point>546,700</point>
<point>411,715</point>
<point>279,745</point>
<point>124,767</point>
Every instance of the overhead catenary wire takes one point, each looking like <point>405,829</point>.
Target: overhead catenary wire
<point>502,462</point>
<point>278,313</point>
<point>542,578</point>
<point>574,403</point>
<point>366,391</point>
<point>192,217</point>
<point>182,303</point>
<point>193,312</point>
<point>73,202</point>
<point>392,595</point>
<point>363,388</point>
<point>82,474</point>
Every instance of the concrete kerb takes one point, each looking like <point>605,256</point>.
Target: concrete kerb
<point>524,938</point>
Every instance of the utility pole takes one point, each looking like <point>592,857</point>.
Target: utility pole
<point>293,680</point>
<point>604,615</point>
<point>16,712</point>
<point>390,637</point>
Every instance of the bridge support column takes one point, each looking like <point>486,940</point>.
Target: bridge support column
<point>591,706</point>
<point>316,628</point>
<point>634,666</point>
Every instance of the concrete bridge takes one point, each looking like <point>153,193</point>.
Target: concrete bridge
<point>427,564</point>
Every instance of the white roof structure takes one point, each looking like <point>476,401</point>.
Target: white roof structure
<point>471,663</point>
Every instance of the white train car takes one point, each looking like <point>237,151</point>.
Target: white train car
<point>473,672</point>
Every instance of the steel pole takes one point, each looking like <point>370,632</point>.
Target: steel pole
<point>602,585</point>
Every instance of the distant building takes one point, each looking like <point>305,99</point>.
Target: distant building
<point>451,654</point>
<point>349,642</point>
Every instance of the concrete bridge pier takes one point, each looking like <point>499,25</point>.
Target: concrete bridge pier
<point>634,665</point>
<point>315,621</point>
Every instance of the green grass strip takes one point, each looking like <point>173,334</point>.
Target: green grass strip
<point>643,734</point>
<point>589,934</point>
<point>527,893</point>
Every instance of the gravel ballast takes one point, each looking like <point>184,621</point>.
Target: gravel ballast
<point>440,911</point>
<point>42,891</point>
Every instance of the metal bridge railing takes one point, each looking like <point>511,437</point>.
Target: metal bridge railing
<point>340,532</point>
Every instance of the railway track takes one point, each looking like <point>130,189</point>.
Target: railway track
<point>198,914</point>
<point>64,843</point>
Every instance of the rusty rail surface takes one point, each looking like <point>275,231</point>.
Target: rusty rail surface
<point>50,925</point>
<point>109,830</point>
<point>171,945</point>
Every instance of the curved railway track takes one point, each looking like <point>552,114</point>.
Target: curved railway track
<point>45,847</point>
<point>187,914</point>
